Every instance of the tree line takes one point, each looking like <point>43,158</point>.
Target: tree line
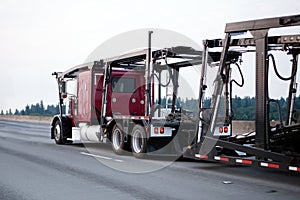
<point>242,108</point>
<point>37,109</point>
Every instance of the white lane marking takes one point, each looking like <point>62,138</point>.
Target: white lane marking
<point>97,156</point>
<point>117,160</point>
<point>102,157</point>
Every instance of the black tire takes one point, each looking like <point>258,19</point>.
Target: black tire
<point>138,141</point>
<point>118,140</point>
<point>57,133</point>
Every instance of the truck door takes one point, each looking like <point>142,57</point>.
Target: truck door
<point>98,90</point>
<point>84,96</point>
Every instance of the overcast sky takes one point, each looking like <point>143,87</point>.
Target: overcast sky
<point>40,37</point>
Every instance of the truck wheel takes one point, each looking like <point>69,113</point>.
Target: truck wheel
<point>117,140</point>
<point>138,141</point>
<point>58,137</point>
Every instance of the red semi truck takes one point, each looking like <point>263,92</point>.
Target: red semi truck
<point>121,100</point>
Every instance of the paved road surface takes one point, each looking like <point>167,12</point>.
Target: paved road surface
<point>33,167</point>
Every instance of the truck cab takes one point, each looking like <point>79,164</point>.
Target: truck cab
<point>137,101</point>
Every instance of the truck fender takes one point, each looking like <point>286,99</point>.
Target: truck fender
<point>53,121</point>
<point>65,122</point>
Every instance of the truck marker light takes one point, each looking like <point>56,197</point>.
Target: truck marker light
<point>133,100</point>
<point>142,102</point>
<point>156,130</point>
<point>161,130</point>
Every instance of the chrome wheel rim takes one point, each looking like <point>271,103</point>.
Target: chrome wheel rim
<point>137,142</point>
<point>57,132</point>
<point>116,140</point>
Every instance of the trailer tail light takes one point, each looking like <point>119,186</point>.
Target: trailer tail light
<point>220,129</point>
<point>161,130</point>
<point>157,131</point>
<point>225,129</point>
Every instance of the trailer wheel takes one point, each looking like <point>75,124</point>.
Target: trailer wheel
<point>117,140</point>
<point>57,132</point>
<point>138,141</point>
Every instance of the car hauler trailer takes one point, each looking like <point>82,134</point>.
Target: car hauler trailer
<point>269,145</point>
<point>120,100</point>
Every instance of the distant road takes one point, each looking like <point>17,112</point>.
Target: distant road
<point>33,167</point>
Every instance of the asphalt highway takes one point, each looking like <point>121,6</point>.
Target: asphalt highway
<point>32,166</point>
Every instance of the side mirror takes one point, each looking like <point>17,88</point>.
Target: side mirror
<point>62,87</point>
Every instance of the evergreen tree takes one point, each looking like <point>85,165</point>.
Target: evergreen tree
<point>17,112</point>
<point>22,112</point>
<point>242,108</point>
<point>27,110</point>
<point>42,106</point>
